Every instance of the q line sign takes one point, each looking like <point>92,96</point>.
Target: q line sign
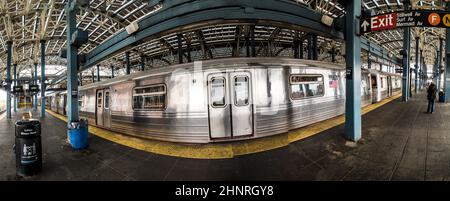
<point>419,18</point>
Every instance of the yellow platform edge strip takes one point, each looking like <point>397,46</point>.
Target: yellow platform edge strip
<point>223,150</point>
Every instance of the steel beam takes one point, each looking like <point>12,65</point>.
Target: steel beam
<point>98,73</point>
<point>180,48</point>
<point>42,42</point>
<point>296,49</point>
<point>423,72</point>
<point>15,84</point>
<point>417,65</point>
<point>447,62</point>
<point>439,63</point>
<point>35,101</point>
<point>353,72</point>
<point>406,51</point>
<point>80,79</point>
<point>302,52</point>
<point>8,78</point>
<point>142,62</point>
<point>315,47</point>
<point>369,62</point>
<point>72,61</point>
<point>333,54</point>
<point>252,40</point>
<point>180,13</point>
<point>188,50</point>
<point>127,62</point>
<point>378,51</point>
<point>310,47</point>
<point>112,71</point>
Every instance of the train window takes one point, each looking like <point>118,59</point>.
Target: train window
<point>305,86</point>
<point>137,102</point>
<point>81,101</point>
<point>99,99</point>
<point>150,97</point>
<point>241,90</point>
<point>107,100</point>
<point>218,91</point>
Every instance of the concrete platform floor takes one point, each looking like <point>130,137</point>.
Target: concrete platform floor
<point>400,142</point>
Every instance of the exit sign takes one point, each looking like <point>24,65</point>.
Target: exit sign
<point>415,18</point>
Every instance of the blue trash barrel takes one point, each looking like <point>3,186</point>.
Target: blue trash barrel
<point>78,134</point>
<point>441,97</point>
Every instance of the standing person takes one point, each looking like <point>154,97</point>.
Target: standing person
<point>431,95</point>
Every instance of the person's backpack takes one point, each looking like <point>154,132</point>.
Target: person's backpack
<point>431,92</point>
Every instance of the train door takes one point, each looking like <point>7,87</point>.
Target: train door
<point>103,108</point>
<point>106,109</point>
<point>99,110</point>
<point>375,88</point>
<point>64,104</point>
<point>389,85</point>
<point>230,106</point>
<point>57,104</point>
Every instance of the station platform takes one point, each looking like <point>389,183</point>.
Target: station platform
<point>400,142</point>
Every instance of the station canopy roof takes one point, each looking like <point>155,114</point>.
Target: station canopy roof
<point>27,22</point>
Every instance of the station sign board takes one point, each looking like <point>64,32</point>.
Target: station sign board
<point>33,88</point>
<point>394,20</point>
<point>18,89</point>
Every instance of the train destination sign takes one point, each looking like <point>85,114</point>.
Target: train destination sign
<point>420,18</point>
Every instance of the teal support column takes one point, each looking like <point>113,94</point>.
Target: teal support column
<point>112,71</point>
<point>421,70</point>
<point>98,73</point>
<point>369,62</point>
<point>434,75</point>
<point>333,54</point>
<point>93,77</point>
<point>447,62</point>
<point>353,71</point>
<point>406,51</point>
<point>315,48</point>
<point>15,84</point>
<point>35,100</point>
<point>302,52</point>
<point>142,62</point>
<point>417,65</point>
<point>439,63</point>
<point>80,78</point>
<point>43,78</point>
<point>180,48</point>
<point>72,61</point>
<point>127,62</point>
<point>252,42</point>
<point>310,46</point>
<point>8,78</point>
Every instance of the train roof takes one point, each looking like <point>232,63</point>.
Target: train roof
<point>218,63</point>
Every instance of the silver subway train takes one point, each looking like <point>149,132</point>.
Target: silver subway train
<point>2,100</point>
<point>224,99</point>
